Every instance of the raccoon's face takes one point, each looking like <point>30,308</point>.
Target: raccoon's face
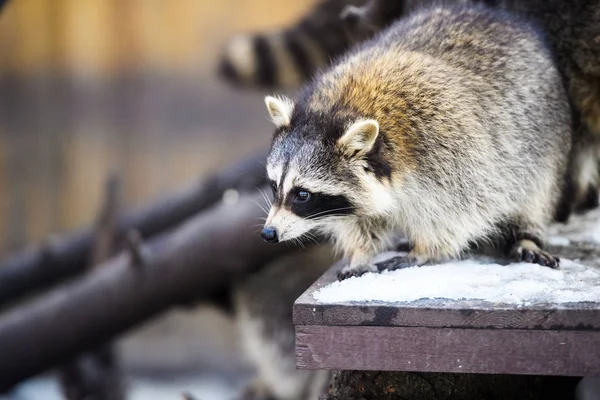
<point>314,186</point>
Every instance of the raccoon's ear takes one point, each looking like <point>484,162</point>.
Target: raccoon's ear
<point>280,109</point>
<point>359,138</point>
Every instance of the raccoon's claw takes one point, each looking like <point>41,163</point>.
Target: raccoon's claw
<point>348,272</point>
<point>399,262</point>
<point>532,254</point>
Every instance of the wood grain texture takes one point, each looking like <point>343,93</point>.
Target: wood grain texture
<point>492,351</point>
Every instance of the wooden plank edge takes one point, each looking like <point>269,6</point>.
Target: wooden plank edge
<point>522,352</point>
<point>586,318</point>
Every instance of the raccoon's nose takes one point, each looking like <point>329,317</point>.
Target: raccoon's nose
<point>269,235</point>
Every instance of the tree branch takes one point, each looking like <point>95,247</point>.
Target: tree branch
<point>198,258</point>
<point>65,256</point>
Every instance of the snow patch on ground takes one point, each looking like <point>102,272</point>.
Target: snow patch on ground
<point>519,284</point>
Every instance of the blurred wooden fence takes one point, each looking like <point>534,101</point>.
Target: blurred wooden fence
<point>87,86</point>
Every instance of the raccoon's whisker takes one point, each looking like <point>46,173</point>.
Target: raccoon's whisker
<point>326,211</point>
<point>298,243</point>
<point>265,197</point>
<point>329,217</point>
<point>303,239</point>
<point>311,236</point>
<point>258,204</point>
<point>261,207</point>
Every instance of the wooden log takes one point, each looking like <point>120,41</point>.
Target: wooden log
<point>198,258</point>
<point>65,256</point>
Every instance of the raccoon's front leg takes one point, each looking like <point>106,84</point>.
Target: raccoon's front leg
<point>358,266</point>
<point>363,263</point>
<point>401,262</point>
<point>415,258</point>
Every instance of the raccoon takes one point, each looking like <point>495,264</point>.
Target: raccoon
<point>450,127</point>
<point>286,58</point>
<point>263,304</point>
<point>573,27</point>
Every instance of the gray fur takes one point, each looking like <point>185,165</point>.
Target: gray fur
<point>475,129</point>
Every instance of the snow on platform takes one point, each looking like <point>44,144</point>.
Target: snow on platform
<point>519,284</point>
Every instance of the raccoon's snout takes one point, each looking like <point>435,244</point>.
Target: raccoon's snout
<point>269,235</point>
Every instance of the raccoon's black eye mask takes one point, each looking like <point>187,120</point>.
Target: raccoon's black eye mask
<point>311,205</point>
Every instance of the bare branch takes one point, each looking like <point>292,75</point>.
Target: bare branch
<point>133,244</point>
<point>106,223</point>
<point>67,255</point>
<point>197,259</point>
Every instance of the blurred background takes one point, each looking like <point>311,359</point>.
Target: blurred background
<point>92,86</point>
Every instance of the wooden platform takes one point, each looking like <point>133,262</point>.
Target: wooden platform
<point>456,336</point>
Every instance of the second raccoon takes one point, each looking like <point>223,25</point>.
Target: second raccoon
<point>451,127</point>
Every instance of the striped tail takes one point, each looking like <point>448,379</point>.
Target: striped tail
<point>286,58</point>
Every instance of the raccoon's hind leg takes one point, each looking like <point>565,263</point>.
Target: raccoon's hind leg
<point>528,251</point>
<point>524,243</point>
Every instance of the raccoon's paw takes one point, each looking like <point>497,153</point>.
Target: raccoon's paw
<point>398,262</point>
<point>359,270</point>
<point>527,251</point>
